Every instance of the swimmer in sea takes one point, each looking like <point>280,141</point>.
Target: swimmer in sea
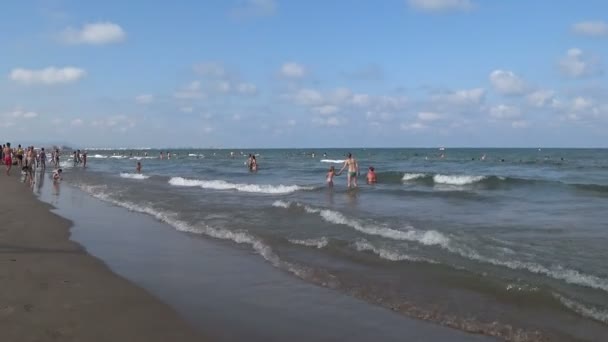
<point>138,167</point>
<point>371,175</point>
<point>353,170</point>
<point>330,176</point>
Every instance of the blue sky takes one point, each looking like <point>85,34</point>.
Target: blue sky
<point>278,73</point>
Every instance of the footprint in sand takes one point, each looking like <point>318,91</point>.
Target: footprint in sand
<point>6,310</point>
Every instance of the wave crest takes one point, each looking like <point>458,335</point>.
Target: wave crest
<point>133,175</point>
<point>223,185</point>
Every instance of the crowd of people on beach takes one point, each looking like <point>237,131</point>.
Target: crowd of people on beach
<point>30,159</point>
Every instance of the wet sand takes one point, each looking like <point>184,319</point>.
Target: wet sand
<point>52,290</point>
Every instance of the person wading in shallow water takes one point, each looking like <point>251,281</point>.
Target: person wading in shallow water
<point>353,170</point>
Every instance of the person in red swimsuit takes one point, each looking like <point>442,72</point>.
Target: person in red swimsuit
<point>8,159</point>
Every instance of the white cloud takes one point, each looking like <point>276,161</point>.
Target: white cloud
<point>580,104</point>
<point>412,126</point>
<point>504,112</point>
<point>541,98</point>
<point>190,91</point>
<point>461,97</point>
<point>255,8</point>
<point>116,123</point>
<point>327,109</point>
<point>144,99</point>
<point>77,122</point>
<point>428,116</point>
<point>186,109</point>
<point>591,28</point>
<point>378,116</point>
<point>520,124</point>
<point>507,83</point>
<point>236,117</point>
<point>308,97</point>
<point>210,69</point>
<point>440,5</point>
<point>247,89</point>
<point>47,76</point>
<point>21,114</point>
<point>331,121</point>
<point>96,34</point>
<point>361,100</point>
<point>576,64</point>
<point>224,86</point>
<point>291,122</point>
<point>292,70</point>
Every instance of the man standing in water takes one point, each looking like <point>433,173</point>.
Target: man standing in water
<point>353,170</point>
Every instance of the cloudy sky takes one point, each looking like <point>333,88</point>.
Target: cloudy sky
<point>282,73</point>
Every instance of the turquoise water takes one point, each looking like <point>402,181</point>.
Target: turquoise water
<point>510,244</point>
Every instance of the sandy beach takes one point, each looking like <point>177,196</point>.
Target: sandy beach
<point>52,290</point>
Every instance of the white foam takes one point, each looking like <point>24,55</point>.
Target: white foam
<point>428,237</point>
<point>98,156</point>
<point>333,161</point>
<point>363,246</point>
<point>281,204</point>
<point>555,271</point>
<point>434,238</point>
<point>585,311</point>
<point>411,176</point>
<point>118,157</point>
<point>240,237</point>
<point>318,243</point>
<point>223,185</point>
<point>457,179</point>
<point>133,175</point>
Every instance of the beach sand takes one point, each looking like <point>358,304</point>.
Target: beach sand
<point>52,290</point>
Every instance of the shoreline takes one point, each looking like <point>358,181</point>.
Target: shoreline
<point>52,289</point>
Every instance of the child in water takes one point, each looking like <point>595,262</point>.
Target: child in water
<point>330,176</point>
<point>371,175</point>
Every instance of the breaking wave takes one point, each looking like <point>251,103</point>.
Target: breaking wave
<point>223,185</point>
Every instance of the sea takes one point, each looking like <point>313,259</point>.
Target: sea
<point>510,243</point>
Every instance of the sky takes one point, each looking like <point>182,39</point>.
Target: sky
<point>286,73</point>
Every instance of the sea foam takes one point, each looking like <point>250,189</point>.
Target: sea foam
<point>363,246</point>
<point>223,185</point>
<point>240,237</point>
<point>133,175</point>
<point>457,179</point>
<point>333,161</point>
<point>434,238</point>
<point>411,176</point>
<point>318,243</point>
<point>429,237</point>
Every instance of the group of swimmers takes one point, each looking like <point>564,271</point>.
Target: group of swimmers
<point>79,158</point>
<point>353,172</point>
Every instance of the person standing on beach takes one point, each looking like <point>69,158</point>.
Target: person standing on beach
<point>8,158</point>
<point>57,158</point>
<point>19,156</point>
<point>42,159</point>
<point>353,170</point>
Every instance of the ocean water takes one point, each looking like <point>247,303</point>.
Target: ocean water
<point>514,245</point>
